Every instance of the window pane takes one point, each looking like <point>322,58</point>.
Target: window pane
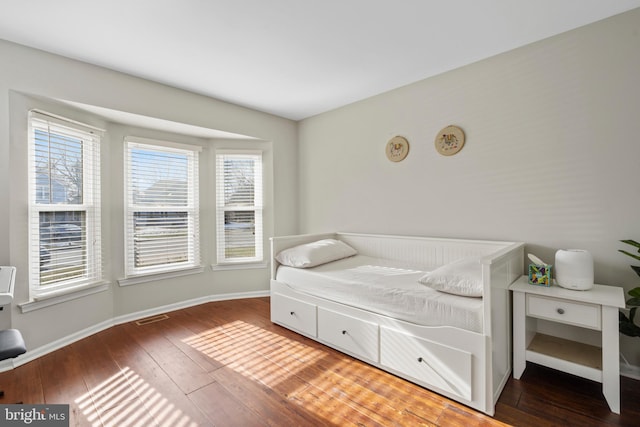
<point>239,234</point>
<point>58,168</point>
<point>239,181</point>
<point>63,246</point>
<point>160,238</point>
<point>159,178</point>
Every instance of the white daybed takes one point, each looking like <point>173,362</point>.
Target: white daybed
<point>469,363</point>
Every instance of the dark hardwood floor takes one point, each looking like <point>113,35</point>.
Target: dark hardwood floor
<point>226,364</point>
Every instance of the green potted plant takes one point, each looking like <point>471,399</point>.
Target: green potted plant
<point>626,324</point>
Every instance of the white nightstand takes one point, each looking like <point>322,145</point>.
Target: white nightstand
<point>595,309</point>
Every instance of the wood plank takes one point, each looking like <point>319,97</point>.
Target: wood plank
<point>130,412</point>
<point>556,413</point>
<point>22,384</point>
<point>176,330</point>
<point>156,389</point>
<point>458,417</point>
<point>62,380</point>
<point>223,409</point>
<point>330,409</point>
<point>512,415</point>
<point>107,383</point>
<point>588,398</point>
<point>270,407</point>
<point>187,374</point>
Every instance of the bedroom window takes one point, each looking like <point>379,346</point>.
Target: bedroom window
<point>239,206</point>
<point>64,205</point>
<point>161,207</point>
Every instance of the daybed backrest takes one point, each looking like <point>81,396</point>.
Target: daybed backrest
<point>422,253</point>
<point>419,251</point>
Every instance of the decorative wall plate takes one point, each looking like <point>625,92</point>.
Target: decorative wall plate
<point>397,148</point>
<point>449,140</point>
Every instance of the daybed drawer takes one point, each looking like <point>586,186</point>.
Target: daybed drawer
<point>348,333</point>
<point>570,312</point>
<point>294,314</point>
<point>446,368</point>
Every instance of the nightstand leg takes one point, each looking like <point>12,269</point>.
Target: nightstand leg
<point>611,358</point>
<point>519,335</point>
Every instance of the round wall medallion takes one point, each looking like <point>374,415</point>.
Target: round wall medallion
<point>397,148</point>
<point>449,140</point>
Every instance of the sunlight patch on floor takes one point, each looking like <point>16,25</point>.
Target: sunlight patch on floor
<point>292,369</point>
<point>126,400</point>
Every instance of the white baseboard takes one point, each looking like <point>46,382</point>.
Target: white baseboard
<point>30,355</point>
<point>189,303</point>
<point>58,344</point>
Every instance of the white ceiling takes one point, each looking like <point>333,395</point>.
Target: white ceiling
<point>291,58</point>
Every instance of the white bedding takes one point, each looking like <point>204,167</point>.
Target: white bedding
<point>386,287</point>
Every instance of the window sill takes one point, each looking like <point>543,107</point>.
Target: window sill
<point>63,295</point>
<point>239,266</point>
<point>134,280</point>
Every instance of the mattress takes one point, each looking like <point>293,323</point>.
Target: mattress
<point>386,287</point>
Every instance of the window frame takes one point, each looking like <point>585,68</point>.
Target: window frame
<point>192,209</point>
<point>91,246</point>
<point>258,259</point>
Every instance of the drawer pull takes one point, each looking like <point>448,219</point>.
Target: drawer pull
<point>560,310</point>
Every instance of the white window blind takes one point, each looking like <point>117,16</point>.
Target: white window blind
<point>239,206</point>
<point>162,207</point>
<point>64,204</point>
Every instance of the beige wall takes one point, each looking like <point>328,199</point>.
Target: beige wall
<point>551,157</point>
<point>31,78</point>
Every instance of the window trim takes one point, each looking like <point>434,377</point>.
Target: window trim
<point>62,296</point>
<point>152,277</point>
<point>133,275</point>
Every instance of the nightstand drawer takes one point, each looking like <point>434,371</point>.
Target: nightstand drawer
<point>564,311</point>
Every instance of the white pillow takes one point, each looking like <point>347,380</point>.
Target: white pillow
<point>316,253</point>
<point>461,277</point>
